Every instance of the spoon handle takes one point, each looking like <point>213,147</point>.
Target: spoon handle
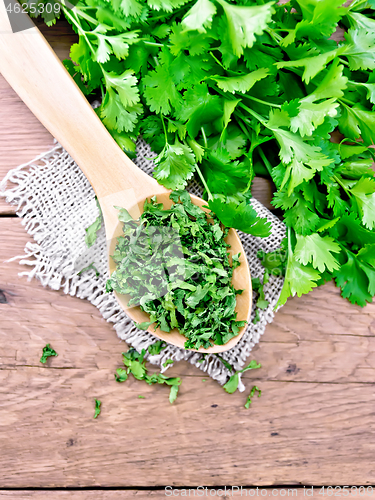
<point>31,67</point>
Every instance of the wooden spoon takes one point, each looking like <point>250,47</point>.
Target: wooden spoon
<point>33,70</point>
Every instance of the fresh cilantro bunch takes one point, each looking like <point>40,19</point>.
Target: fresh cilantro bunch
<point>224,90</point>
<point>174,264</point>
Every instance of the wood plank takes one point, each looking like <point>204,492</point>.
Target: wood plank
<point>314,416</point>
<point>297,433</point>
<point>306,342</point>
<point>231,492</point>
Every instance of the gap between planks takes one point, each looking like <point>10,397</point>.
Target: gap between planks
<point>286,491</point>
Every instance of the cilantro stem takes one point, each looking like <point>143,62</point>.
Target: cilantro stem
<point>338,180</point>
<point>262,102</point>
<point>216,59</point>
<point>354,84</point>
<point>355,4</point>
<point>165,130</point>
<point>87,17</point>
<point>290,251</point>
<point>204,137</point>
<point>343,101</point>
<point>243,127</point>
<point>265,161</point>
<point>81,31</point>
<point>253,113</point>
<point>343,61</point>
<point>275,36</point>
<point>210,197</point>
<point>153,44</point>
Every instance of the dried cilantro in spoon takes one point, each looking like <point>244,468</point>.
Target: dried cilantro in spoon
<point>174,264</point>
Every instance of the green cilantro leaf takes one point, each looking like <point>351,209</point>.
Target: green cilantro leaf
<point>311,113</point>
<point>364,193</point>
<point>232,384</point>
<point>135,364</point>
<point>274,262</point>
<point>121,375</point>
<point>241,83</point>
<point>92,231</point>
<point>115,115</point>
<point>128,7</point>
<point>157,347</point>
<point>313,65</point>
<point>160,90</point>
<point>353,280</point>
<point>240,216</point>
<point>245,22</point>
<point>225,176</point>
<point>198,108</point>
<point>356,121</point>
<point>168,362</point>
<point>166,5</point>
<point>252,392</point>
<point>173,393</point>
<point>97,408</point>
<point>302,159</point>
<point>317,250</point>
<point>299,279</point>
<point>125,86</point>
<point>47,352</point>
<point>320,18</point>
<point>184,40</point>
<point>360,50</point>
<point>367,256</point>
<point>175,165</point>
<point>199,16</point>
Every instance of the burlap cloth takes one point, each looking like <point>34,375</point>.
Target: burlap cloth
<point>57,204</point>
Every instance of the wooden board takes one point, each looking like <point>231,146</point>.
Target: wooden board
<point>316,407</point>
<point>231,492</point>
<point>312,425</point>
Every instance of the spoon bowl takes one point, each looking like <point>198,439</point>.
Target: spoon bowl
<point>32,68</point>
<point>241,280</point>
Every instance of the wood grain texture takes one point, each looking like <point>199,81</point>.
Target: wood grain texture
<point>319,337</point>
<point>273,492</point>
<point>312,425</point>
